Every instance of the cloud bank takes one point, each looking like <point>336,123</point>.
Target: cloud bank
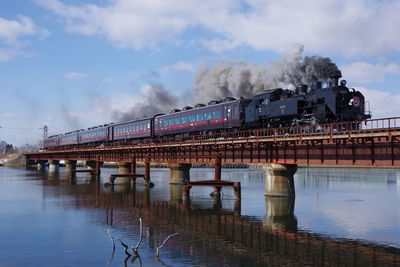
<point>13,34</point>
<point>348,27</point>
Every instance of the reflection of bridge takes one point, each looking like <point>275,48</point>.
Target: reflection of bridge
<point>367,143</point>
<point>275,241</point>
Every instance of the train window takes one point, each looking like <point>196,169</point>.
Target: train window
<point>217,115</point>
<point>171,122</point>
<point>192,118</point>
<point>208,116</point>
<point>178,121</point>
<point>185,119</point>
<point>235,110</point>
<point>165,123</point>
<point>148,125</point>
<point>199,117</point>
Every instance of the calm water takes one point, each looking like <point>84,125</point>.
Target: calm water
<point>340,217</point>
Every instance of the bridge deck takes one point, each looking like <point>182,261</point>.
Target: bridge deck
<point>366,143</point>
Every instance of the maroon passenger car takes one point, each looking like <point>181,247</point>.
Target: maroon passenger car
<point>223,115</point>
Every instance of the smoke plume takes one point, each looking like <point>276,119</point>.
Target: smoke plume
<point>239,79</point>
<point>153,99</point>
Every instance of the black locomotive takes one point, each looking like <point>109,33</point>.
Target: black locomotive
<point>306,105</point>
<point>274,108</point>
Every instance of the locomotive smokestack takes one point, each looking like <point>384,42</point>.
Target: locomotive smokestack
<point>335,79</point>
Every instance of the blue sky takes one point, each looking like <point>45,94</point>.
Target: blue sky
<point>72,64</point>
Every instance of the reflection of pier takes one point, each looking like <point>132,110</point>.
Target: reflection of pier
<point>274,241</point>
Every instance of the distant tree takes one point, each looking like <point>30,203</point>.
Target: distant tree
<point>10,148</point>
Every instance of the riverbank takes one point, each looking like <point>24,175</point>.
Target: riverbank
<point>13,160</point>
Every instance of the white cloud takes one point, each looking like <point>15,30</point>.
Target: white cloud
<point>181,66</point>
<point>383,104</point>
<point>7,115</point>
<point>363,72</point>
<point>75,75</point>
<point>13,31</point>
<point>349,27</point>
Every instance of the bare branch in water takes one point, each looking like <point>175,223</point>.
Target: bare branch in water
<point>134,259</point>
<point>111,237</point>
<point>135,249</point>
<point>163,243</point>
<point>126,248</point>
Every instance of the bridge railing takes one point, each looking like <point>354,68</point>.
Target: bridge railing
<point>326,130</point>
<point>330,130</point>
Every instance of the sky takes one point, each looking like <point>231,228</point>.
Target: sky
<point>79,63</point>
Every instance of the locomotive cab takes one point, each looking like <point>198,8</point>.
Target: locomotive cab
<point>350,104</point>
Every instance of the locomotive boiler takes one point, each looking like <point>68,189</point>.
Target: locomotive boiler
<point>306,105</point>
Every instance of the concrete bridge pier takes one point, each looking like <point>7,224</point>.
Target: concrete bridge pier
<point>279,179</point>
<point>70,165</point>
<point>41,165</point>
<point>179,173</point>
<point>175,192</point>
<point>96,166</point>
<point>280,214</point>
<point>124,168</point>
<point>54,166</point>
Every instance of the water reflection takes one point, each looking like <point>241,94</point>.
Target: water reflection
<point>280,214</point>
<point>212,231</point>
<point>217,236</point>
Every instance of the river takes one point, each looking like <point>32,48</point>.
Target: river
<point>339,217</point>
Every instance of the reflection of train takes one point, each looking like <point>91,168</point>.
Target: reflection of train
<point>273,108</point>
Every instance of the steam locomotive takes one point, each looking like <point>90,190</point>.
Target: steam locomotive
<point>273,108</point>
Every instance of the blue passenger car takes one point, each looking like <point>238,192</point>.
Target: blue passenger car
<point>132,129</point>
<point>214,117</point>
<point>69,138</point>
<point>52,141</point>
<point>93,135</point>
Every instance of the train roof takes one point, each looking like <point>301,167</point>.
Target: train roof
<point>204,107</point>
<point>130,121</point>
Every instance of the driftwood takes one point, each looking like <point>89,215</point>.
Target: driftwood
<point>163,243</point>
<point>111,238</point>
<point>126,248</point>
<point>135,249</point>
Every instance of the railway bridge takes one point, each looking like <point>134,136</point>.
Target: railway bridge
<point>369,143</point>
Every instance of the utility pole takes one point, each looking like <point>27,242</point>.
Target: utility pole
<point>45,132</point>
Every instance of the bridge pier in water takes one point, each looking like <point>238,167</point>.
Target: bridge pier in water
<point>175,192</point>
<point>280,214</point>
<point>41,165</point>
<point>70,166</point>
<point>279,180</point>
<point>179,173</point>
<point>54,166</point>
<point>96,166</point>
